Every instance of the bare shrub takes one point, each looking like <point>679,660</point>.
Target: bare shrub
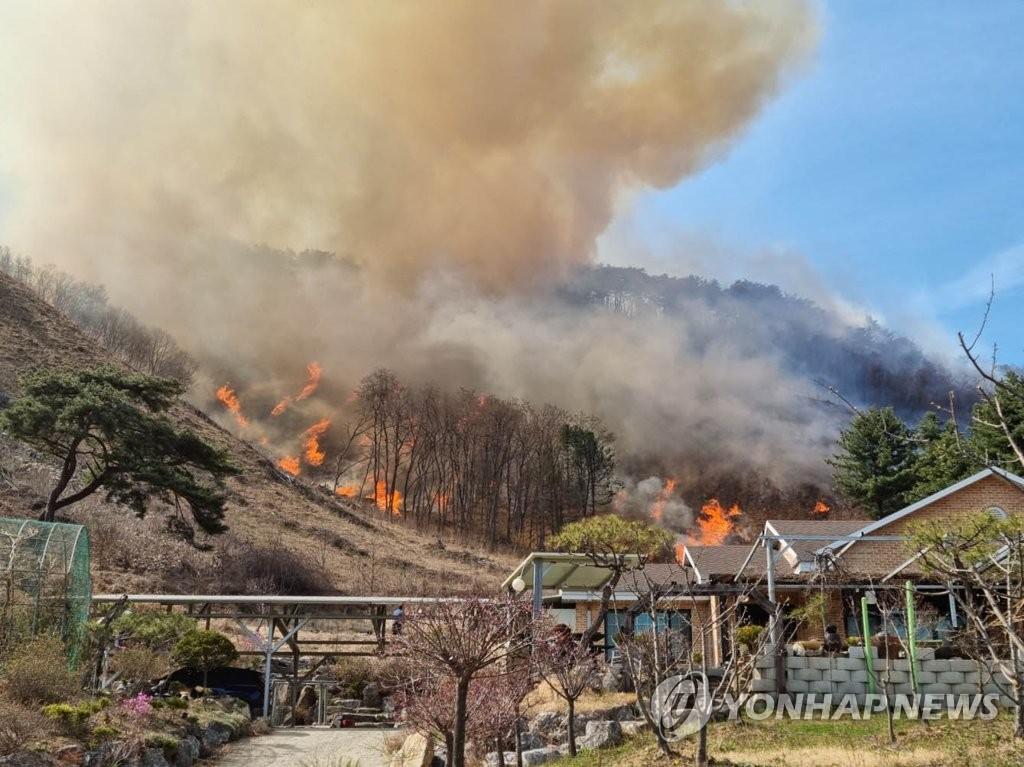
<point>353,674</point>
<point>140,664</point>
<point>244,567</point>
<point>20,725</point>
<point>37,673</point>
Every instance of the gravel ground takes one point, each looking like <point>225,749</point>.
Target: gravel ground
<point>312,746</point>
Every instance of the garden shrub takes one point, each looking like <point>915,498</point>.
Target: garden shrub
<point>156,630</point>
<point>748,635</point>
<point>166,743</point>
<point>37,673</point>
<point>204,651</point>
<point>141,664</point>
<point>101,734</point>
<point>173,703</point>
<point>353,674</point>
<point>19,725</point>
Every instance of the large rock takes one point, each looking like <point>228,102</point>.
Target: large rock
<point>416,751</point>
<point>612,679</point>
<point>545,722</point>
<point>530,740</point>
<point>633,727</point>
<point>215,735</point>
<point>102,755</point>
<point>603,734</point>
<point>537,756</point>
<point>491,759</point>
<point>188,752</point>
<point>305,707</point>
<point>153,757</point>
<point>531,757</point>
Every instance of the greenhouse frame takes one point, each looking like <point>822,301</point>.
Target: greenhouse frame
<point>45,586</point>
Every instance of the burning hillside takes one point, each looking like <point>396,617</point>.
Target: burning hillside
<point>458,200</point>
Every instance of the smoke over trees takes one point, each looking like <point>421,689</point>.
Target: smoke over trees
<point>471,463</point>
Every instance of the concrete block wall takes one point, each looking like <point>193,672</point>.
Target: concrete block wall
<point>842,675</point>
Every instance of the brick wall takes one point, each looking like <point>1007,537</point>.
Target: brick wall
<point>838,676</point>
<point>881,557</point>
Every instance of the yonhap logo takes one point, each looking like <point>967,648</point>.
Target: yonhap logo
<point>681,705</point>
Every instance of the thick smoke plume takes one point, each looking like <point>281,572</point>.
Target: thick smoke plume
<point>459,158</point>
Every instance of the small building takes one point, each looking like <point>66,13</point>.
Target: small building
<point>791,562</point>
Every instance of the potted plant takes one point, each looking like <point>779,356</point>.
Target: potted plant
<point>747,636</point>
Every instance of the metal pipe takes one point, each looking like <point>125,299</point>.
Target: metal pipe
<point>538,587</point>
<point>268,649</point>
<point>867,645</point>
<point>912,635</point>
<point>773,624</point>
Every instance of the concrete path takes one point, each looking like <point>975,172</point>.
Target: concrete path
<point>308,747</point>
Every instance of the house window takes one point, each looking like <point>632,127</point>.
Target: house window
<point>616,622</point>
<point>997,512</point>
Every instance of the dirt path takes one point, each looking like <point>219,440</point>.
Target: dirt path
<point>312,746</point>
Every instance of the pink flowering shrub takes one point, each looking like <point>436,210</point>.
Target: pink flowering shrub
<point>137,706</point>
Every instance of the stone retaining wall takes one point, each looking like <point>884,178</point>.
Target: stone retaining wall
<point>844,675</point>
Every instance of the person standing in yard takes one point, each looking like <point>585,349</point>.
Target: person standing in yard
<point>396,616</point>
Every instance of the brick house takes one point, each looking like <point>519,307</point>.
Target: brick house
<point>840,559</point>
<point>866,557</point>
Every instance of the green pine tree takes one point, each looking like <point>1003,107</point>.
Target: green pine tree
<point>110,431</point>
<point>875,465</point>
<point>995,432</point>
<point>943,457</point>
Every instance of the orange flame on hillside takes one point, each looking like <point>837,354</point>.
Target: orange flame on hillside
<point>230,400</point>
<point>315,371</point>
<point>311,444</point>
<point>715,522</point>
<point>385,500</point>
<point>348,491</point>
<point>821,508</point>
<point>289,464</point>
<point>658,508</point>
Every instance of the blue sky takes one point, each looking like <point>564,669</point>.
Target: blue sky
<point>892,166</point>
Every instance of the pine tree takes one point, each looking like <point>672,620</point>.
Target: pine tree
<point>943,457</point>
<point>875,465</point>
<point>110,431</point>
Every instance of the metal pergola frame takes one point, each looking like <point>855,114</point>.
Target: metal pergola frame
<point>283,618</point>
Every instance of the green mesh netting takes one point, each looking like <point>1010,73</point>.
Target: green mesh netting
<point>44,582</point>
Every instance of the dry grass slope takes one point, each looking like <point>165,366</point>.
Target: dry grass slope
<point>351,548</point>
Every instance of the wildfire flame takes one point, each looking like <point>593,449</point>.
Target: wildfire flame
<point>315,371</point>
<point>821,508</point>
<point>311,442</point>
<point>715,522</point>
<point>382,498</point>
<point>658,508</point>
<point>289,464</point>
<point>680,552</point>
<point>230,400</point>
<point>348,491</point>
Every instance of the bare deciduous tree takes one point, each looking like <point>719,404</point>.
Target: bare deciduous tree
<point>456,642</point>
